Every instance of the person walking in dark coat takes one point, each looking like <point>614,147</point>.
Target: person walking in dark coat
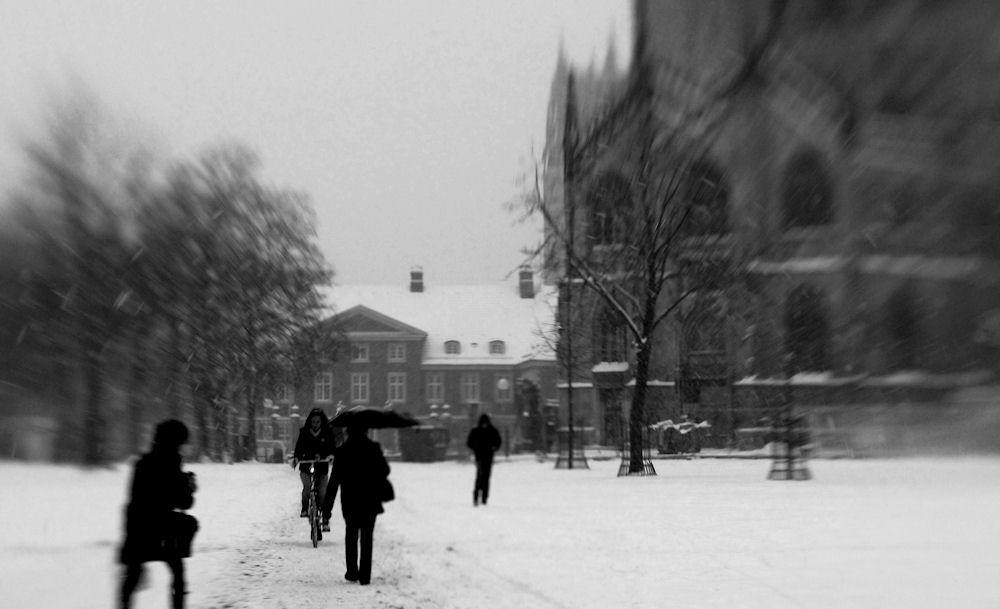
<point>359,471</point>
<point>153,530</point>
<point>316,441</point>
<point>484,441</point>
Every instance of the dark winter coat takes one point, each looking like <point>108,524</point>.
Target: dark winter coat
<point>158,487</point>
<point>309,445</point>
<point>359,471</point>
<point>484,439</point>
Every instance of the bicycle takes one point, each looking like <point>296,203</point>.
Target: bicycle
<point>315,509</point>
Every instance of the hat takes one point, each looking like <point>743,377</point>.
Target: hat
<point>170,433</point>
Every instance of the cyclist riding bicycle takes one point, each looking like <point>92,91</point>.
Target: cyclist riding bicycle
<point>316,441</point>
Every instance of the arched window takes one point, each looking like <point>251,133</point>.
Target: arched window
<point>708,194</point>
<point>608,204</point>
<point>903,329</point>
<point>808,192</point>
<point>497,347</point>
<point>452,347</point>
<point>806,330</point>
<point>705,323</point>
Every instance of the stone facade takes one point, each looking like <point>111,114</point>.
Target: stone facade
<point>856,200</point>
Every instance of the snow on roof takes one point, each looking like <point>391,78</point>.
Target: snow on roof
<point>911,378</point>
<point>473,315</point>
<point>653,383</point>
<point>817,264</point>
<point>610,367</point>
<point>925,267</point>
<point>825,378</point>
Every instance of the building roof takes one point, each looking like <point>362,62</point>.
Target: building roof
<point>473,315</point>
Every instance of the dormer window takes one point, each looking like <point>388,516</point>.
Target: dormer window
<point>359,352</point>
<point>452,347</point>
<point>497,347</point>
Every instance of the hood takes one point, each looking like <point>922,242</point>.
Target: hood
<point>324,420</point>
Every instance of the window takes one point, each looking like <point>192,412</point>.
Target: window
<point>497,347</point>
<point>359,352</point>
<point>285,393</point>
<point>807,333</point>
<point>505,391</point>
<point>323,387</point>
<point>435,387</point>
<point>707,194</point>
<point>452,347</point>
<point>613,423</point>
<point>608,202</point>
<point>359,387</point>
<point>808,196</point>
<point>397,352</point>
<point>705,324</point>
<point>611,338</point>
<point>903,322</point>
<point>397,386</point>
<point>470,387</point>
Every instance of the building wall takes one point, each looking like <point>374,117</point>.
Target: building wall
<point>903,278</point>
<point>378,368</point>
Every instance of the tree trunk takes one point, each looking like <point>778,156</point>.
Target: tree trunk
<point>137,381</point>
<point>637,413</point>
<point>251,412</point>
<point>174,375</point>
<point>94,449</point>
<point>201,395</point>
<point>222,444</point>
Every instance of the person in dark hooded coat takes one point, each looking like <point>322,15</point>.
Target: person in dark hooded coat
<point>484,441</point>
<point>153,530</point>
<point>359,471</point>
<point>316,441</point>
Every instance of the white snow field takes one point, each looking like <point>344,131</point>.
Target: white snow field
<point>704,533</point>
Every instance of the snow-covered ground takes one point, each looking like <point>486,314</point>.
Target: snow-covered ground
<point>704,533</point>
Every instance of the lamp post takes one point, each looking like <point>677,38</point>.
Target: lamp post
<point>503,385</point>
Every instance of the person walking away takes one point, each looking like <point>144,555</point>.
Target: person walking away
<point>316,441</point>
<point>359,472</point>
<point>484,441</point>
<point>154,531</point>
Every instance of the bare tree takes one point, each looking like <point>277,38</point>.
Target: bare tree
<point>84,178</point>
<point>255,273</point>
<point>642,234</point>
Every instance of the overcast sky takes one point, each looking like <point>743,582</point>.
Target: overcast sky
<point>404,121</point>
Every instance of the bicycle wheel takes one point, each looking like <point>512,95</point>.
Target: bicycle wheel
<point>315,532</point>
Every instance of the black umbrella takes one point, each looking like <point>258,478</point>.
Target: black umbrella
<point>372,418</point>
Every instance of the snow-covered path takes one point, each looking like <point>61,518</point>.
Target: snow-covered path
<point>704,533</point>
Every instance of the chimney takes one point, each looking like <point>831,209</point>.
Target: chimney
<point>416,279</point>
<point>527,283</point>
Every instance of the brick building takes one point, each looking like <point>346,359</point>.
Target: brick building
<point>443,353</point>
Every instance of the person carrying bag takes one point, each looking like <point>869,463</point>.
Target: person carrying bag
<point>156,527</point>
